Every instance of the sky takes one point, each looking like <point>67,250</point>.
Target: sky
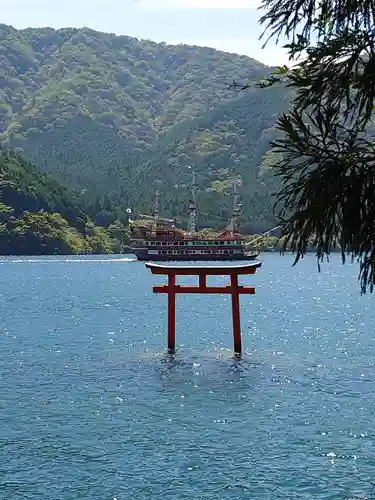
<point>230,25</point>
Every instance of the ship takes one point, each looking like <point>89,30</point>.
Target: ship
<point>155,238</point>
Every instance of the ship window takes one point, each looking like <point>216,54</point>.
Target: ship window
<point>164,243</point>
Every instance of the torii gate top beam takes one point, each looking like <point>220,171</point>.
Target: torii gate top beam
<point>205,270</point>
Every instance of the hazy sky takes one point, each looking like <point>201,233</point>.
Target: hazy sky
<point>229,25</point>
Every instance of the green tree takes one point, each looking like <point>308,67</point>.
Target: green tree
<point>39,216</point>
<point>328,155</point>
<point>97,240</point>
<point>120,236</point>
<point>5,212</point>
<point>42,233</point>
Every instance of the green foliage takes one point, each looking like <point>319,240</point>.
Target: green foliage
<point>5,211</point>
<point>328,190</point>
<point>108,115</point>
<point>120,236</point>
<point>24,188</point>
<point>326,139</point>
<point>97,240</point>
<point>135,87</point>
<point>38,216</point>
<point>224,145</point>
<point>42,233</point>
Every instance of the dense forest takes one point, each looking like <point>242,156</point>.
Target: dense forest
<point>39,216</point>
<point>108,116</point>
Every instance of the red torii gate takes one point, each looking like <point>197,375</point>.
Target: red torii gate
<point>234,289</point>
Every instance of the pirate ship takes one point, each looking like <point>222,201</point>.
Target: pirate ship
<point>159,239</point>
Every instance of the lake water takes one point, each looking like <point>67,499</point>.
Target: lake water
<point>92,408</point>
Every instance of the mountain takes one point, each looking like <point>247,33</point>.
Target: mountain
<point>108,115</point>
<point>228,144</point>
<point>39,216</point>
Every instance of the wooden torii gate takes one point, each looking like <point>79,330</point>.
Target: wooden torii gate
<point>234,289</point>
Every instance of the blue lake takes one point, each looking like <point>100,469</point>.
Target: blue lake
<point>92,408</point>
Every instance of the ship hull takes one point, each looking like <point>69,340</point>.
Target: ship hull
<point>200,258</point>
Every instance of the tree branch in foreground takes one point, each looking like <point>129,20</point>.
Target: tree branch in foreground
<point>328,188</point>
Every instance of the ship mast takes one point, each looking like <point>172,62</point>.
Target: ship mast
<point>193,205</point>
<point>155,211</point>
<point>156,207</point>
<point>233,225</point>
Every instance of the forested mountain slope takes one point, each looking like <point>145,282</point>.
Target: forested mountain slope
<point>225,145</point>
<point>39,216</point>
<point>107,115</point>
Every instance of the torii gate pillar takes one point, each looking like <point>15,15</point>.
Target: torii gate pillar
<point>234,289</point>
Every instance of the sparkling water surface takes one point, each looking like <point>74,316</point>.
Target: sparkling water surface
<point>91,406</point>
